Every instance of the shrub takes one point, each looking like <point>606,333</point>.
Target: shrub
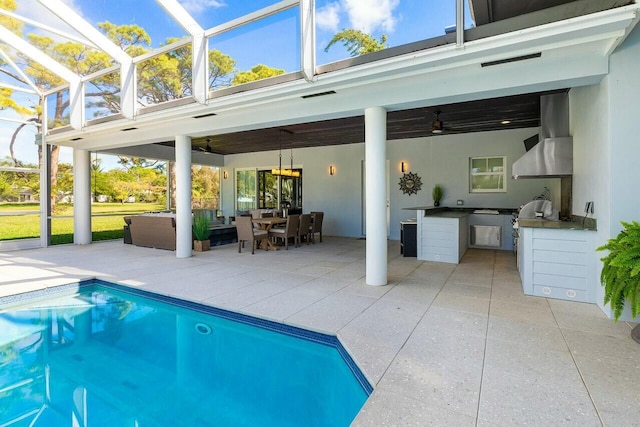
<point>621,271</point>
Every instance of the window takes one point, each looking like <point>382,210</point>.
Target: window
<point>487,174</point>
<point>245,189</point>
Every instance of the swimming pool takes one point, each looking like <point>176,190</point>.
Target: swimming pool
<point>97,353</point>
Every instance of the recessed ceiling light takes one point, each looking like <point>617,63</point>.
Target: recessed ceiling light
<point>505,122</point>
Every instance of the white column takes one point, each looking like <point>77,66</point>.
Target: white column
<point>81,197</point>
<point>183,196</point>
<point>375,137</point>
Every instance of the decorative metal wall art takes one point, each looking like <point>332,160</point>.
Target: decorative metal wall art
<point>410,183</point>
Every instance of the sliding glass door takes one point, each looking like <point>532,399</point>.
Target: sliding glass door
<point>261,189</point>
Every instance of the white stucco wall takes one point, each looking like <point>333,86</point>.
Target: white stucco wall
<point>440,160</point>
<point>589,107</point>
<point>606,130</point>
<point>624,124</point>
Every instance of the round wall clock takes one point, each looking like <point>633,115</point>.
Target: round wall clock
<point>410,183</point>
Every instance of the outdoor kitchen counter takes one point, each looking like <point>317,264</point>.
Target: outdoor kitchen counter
<point>446,210</point>
<point>449,214</point>
<point>588,224</point>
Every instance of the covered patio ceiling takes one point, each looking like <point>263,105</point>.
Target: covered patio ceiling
<point>508,112</point>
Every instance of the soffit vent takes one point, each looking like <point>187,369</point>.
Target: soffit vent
<point>202,116</point>
<point>127,129</point>
<point>513,59</point>
<point>313,95</point>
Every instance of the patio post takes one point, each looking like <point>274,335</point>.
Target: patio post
<point>375,125</point>
<point>81,197</point>
<point>183,196</point>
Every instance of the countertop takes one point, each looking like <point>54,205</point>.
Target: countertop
<point>577,223</point>
<point>438,210</point>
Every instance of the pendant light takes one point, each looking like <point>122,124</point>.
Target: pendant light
<point>280,171</point>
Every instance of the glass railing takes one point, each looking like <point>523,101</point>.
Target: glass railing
<point>102,96</point>
<point>259,50</point>
<point>213,13</point>
<point>58,109</point>
<point>164,77</point>
<point>347,30</point>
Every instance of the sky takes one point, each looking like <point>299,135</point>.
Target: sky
<point>272,41</point>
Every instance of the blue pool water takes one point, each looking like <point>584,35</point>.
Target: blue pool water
<point>99,354</point>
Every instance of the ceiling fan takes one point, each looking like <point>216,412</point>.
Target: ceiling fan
<point>207,148</point>
<point>438,126</point>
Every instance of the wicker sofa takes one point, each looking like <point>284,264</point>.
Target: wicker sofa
<point>158,230</point>
<point>153,231</point>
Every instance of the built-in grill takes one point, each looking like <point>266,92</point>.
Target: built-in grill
<point>536,209</point>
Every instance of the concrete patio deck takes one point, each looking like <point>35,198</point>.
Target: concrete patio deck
<point>441,344</point>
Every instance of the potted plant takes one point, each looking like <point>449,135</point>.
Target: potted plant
<point>436,194</point>
<point>621,272</point>
<point>201,232</point>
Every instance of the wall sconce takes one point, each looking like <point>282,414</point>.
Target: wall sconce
<point>403,167</point>
<point>225,175</point>
<point>332,170</point>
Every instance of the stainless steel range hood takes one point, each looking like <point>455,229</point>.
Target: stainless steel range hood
<point>552,157</point>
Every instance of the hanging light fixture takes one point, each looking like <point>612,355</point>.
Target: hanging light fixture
<point>280,171</point>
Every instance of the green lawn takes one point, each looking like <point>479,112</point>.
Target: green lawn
<point>105,227</point>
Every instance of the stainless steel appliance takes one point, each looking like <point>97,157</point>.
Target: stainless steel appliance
<point>536,209</point>
<point>486,235</point>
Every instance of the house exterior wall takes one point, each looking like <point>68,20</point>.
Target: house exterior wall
<point>605,129</point>
<point>440,160</point>
<point>592,166</point>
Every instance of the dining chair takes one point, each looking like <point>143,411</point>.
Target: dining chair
<point>304,231</point>
<point>290,230</point>
<point>246,233</point>
<point>316,226</point>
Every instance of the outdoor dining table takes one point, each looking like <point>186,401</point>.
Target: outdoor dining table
<point>266,224</point>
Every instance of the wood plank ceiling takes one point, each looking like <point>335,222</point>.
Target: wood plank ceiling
<point>521,111</point>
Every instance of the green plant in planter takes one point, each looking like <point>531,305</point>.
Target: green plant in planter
<point>621,271</point>
<point>201,224</point>
<point>436,194</point>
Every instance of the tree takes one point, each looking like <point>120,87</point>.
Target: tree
<point>357,42</point>
<point>132,162</point>
<point>221,68</point>
<point>64,182</point>
<point>258,72</point>
<point>205,185</point>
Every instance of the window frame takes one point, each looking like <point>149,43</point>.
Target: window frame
<point>502,174</point>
